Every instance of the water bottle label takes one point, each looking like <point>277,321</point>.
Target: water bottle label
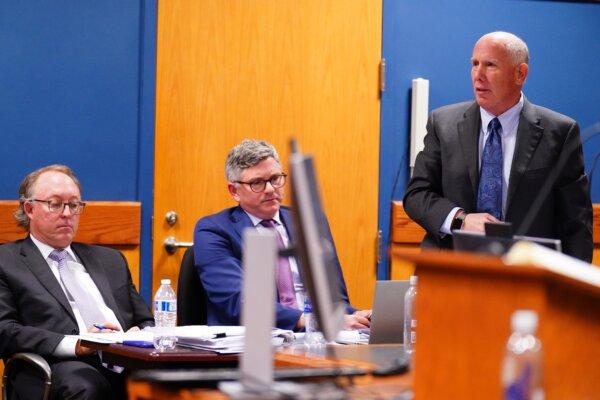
<point>163,305</point>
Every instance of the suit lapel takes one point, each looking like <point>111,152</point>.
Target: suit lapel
<point>240,221</point>
<point>94,268</point>
<point>529,133</point>
<point>32,257</point>
<point>285,216</point>
<point>468,134</point>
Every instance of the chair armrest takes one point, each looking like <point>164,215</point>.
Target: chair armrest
<point>33,360</point>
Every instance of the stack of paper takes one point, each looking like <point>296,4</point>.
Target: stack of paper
<point>220,339</point>
<point>118,337</point>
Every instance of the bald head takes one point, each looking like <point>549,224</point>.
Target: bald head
<point>514,45</point>
<point>498,71</point>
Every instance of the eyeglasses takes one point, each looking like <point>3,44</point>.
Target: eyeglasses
<point>259,185</point>
<point>57,206</point>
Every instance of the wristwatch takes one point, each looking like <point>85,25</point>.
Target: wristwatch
<point>458,220</point>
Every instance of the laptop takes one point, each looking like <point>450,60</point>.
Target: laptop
<point>387,320</point>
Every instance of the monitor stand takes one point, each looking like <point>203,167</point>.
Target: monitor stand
<point>258,316</point>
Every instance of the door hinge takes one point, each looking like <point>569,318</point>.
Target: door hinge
<point>382,75</point>
<point>378,244</point>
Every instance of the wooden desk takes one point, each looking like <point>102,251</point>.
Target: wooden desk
<point>147,358</point>
<point>361,387</point>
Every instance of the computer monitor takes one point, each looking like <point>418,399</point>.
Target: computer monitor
<point>314,251</point>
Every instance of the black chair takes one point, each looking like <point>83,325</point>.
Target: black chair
<point>26,375</point>
<point>191,296</point>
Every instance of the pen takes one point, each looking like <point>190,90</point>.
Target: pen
<point>102,327</point>
<point>138,343</point>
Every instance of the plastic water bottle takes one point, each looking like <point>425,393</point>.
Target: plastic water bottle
<point>312,337</point>
<point>410,320</point>
<point>165,316</point>
<point>522,365</point>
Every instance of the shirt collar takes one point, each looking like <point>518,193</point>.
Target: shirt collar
<point>46,250</point>
<point>255,220</point>
<point>507,119</point>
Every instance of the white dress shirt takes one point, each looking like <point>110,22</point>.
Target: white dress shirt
<point>66,348</point>
<point>509,120</point>
<point>298,285</point>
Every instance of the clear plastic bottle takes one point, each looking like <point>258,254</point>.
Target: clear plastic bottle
<point>410,320</point>
<point>165,316</point>
<point>312,336</point>
<point>522,365</point>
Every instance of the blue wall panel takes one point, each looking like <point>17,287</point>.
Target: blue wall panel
<point>69,93</point>
<point>434,40</point>
<point>77,83</point>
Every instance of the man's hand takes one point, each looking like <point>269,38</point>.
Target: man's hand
<point>82,351</point>
<point>359,320</point>
<point>475,222</point>
<point>104,327</point>
<point>300,324</point>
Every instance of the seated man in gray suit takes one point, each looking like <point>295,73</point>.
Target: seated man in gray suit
<point>51,289</point>
<point>487,160</point>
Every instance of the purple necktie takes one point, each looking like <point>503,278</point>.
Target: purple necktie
<point>284,279</point>
<point>89,310</point>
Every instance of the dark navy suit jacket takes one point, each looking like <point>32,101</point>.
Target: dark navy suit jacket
<point>218,257</point>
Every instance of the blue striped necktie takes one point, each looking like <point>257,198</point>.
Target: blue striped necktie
<point>489,195</point>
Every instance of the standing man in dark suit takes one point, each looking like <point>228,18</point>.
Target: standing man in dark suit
<point>487,160</point>
<point>51,289</point>
<point>255,181</point>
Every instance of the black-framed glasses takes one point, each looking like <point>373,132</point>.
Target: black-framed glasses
<point>57,206</point>
<point>259,185</point>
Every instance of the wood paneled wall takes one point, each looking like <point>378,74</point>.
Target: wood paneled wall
<point>407,234</point>
<point>113,224</point>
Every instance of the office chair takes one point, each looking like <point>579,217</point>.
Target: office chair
<point>26,370</point>
<point>191,296</point>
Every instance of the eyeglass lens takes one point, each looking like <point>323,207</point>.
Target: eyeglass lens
<point>276,181</point>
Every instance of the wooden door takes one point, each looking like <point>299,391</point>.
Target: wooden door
<point>229,70</point>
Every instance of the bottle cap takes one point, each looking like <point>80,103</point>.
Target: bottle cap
<point>524,322</point>
<point>413,280</point>
<point>165,281</point>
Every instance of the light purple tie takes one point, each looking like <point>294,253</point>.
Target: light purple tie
<point>284,279</point>
<point>89,310</point>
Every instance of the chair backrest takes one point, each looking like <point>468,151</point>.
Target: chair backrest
<point>191,296</point>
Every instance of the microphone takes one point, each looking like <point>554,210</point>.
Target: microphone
<point>586,135</point>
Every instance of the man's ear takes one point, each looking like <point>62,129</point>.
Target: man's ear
<point>28,208</point>
<point>521,73</point>
<point>233,191</point>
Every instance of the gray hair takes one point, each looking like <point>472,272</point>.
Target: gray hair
<point>247,154</point>
<point>514,45</point>
<point>26,190</point>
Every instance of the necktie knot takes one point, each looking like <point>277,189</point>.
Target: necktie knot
<point>268,223</point>
<point>58,255</point>
<point>494,126</point>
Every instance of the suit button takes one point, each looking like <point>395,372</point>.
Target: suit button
<point>74,332</point>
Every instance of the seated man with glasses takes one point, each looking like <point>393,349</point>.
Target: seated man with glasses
<point>52,289</point>
<point>255,181</point>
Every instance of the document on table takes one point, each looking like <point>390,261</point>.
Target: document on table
<point>220,339</point>
<point>117,337</point>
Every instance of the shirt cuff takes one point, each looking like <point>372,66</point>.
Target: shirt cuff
<point>66,347</point>
<point>445,228</point>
